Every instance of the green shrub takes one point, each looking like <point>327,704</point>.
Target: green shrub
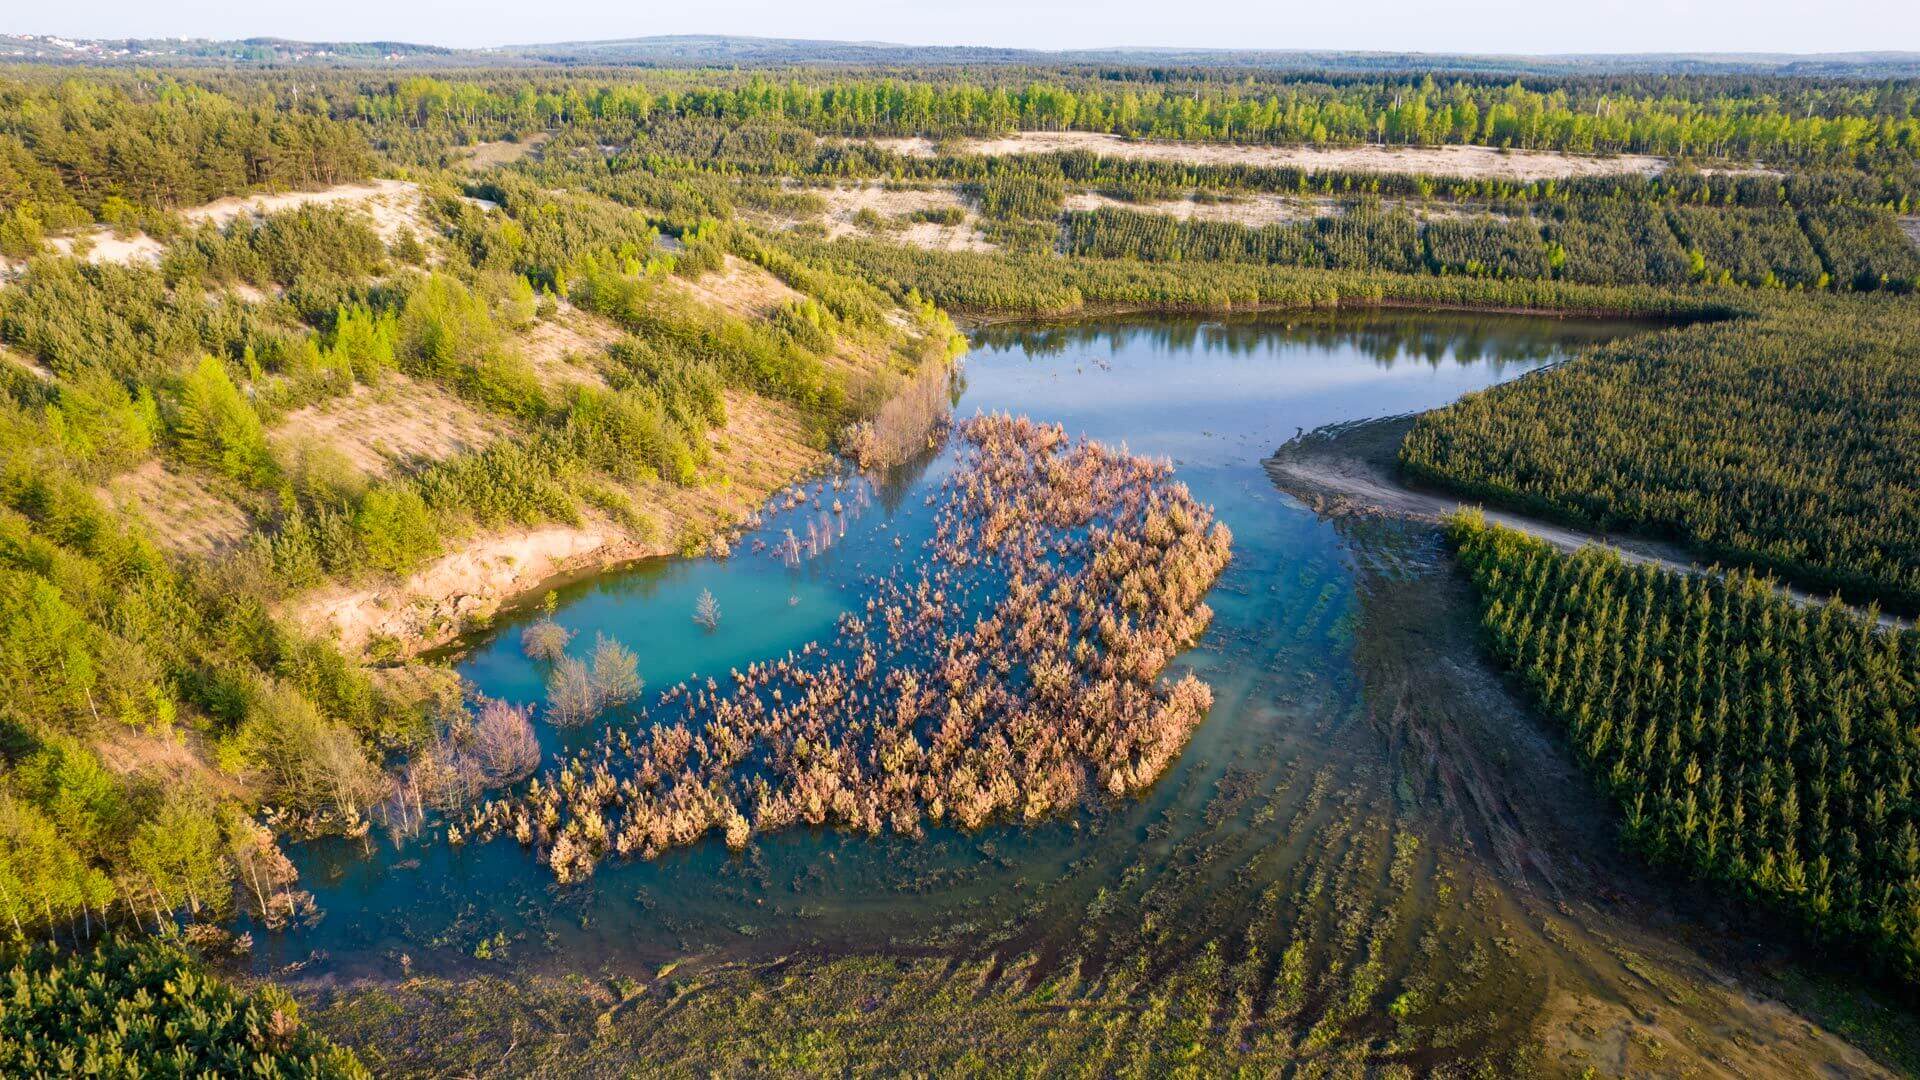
<point>146,1008</point>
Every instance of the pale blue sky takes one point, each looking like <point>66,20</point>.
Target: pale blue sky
<point>1533,26</point>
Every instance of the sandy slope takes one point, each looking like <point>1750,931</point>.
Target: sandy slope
<point>394,205</point>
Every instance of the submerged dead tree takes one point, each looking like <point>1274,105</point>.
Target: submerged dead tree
<point>706,611</point>
<point>1012,672</point>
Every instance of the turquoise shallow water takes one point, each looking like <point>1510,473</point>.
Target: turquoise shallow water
<point>1213,396</point>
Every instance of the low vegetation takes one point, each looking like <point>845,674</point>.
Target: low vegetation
<point>127,1008</point>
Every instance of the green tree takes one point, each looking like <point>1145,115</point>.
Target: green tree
<point>214,425</point>
<point>48,667</point>
<point>44,881</point>
<point>395,528</point>
<point>177,860</point>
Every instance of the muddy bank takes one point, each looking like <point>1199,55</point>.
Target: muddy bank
<point>1352,468</point>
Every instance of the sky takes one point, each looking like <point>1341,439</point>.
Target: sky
<point>1480,26</point>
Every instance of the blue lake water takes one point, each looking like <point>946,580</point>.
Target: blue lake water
<point>1214,396</point>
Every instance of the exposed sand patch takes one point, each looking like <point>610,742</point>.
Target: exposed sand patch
<point>743,289</point>
<point>1710,1034</point>
<point>1475,162</point>
<point>1911,226</point>
<point>1258,210</point>
<point>173,759</point>
<point>1255,210</point>
<point>896,205</point>
<point>185,514</point>
<point>108,248</point>
<point>26,363</point>
<point>934,236</point>
<point>486,155</point>
<point>397,426</point>
<point>844,202</point>
<point>394,205</point>
<point>433,604</point>
<point>566,348</point>
<point>760,448</point>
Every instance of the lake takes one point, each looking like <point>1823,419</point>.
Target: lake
<point>1246,807</point>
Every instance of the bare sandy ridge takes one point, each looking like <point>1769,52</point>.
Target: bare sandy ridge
<point>1472,162</point>
<point>187,512</point>
<point>486,155</point>
<point>393,206</point>
<point>1253,210</point>
<point>395,426</point>
<point>103,246</point>
<point>564,349</point>
<point>740,288</point>
<point>895,205</point>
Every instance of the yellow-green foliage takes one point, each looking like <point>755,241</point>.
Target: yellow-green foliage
<point>215,426</point>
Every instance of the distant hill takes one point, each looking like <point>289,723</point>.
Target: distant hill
<point>49,48</point>
<point>721,50</point>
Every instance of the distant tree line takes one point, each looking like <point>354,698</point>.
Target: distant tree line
<point>1805,122</point>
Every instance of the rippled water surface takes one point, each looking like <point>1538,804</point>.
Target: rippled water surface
<point>1214,396</point>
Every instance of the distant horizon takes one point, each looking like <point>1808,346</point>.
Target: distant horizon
<point>885,43</point>
<point>1475,27</point>
<point>695,50</point>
